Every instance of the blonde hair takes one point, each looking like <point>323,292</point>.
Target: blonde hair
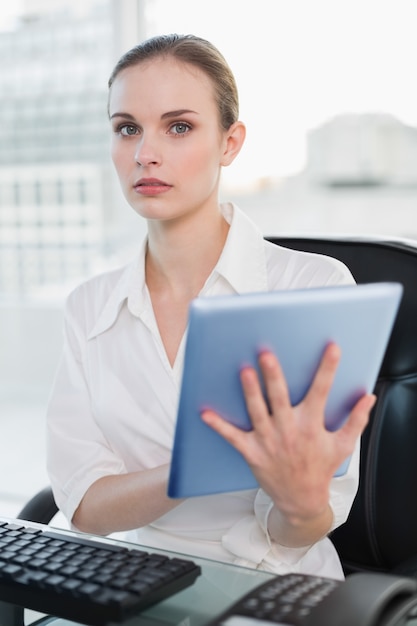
<point>195,51</point>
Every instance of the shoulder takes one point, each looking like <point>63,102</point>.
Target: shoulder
<point>104,292</point>
<point>296,269</point>
<point>98,288</point>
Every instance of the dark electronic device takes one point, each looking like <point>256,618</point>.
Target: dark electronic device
<point>363,599</point>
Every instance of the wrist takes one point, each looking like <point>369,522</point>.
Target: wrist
<point>297,530</point>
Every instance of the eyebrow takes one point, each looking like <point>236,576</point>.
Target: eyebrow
<point>126,116</point>
<point>164,116</point>
<point>177,113</point>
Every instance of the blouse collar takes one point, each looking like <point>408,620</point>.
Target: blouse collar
<point>242,264</point>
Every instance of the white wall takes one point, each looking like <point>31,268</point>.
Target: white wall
<point>30,346</point>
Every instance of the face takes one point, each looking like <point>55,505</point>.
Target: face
<point>167,144</point>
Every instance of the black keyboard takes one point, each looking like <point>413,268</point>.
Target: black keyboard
<point>86,580</point>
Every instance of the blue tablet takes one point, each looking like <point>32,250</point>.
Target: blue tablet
<point>227,332</point>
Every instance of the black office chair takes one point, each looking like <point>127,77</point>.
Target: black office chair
<point>41,508</point>
<point>381,531</point>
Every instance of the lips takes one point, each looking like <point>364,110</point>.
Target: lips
<point>151,186</point>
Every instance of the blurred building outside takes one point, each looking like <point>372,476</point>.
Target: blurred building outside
<point>60,215</point>
<point>63,218</point>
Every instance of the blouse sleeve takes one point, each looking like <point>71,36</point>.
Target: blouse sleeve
<point>77,452</point>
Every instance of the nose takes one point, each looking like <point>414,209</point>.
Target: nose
<point>146,152</point>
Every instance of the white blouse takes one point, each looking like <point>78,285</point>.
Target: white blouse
<point>113,405</point>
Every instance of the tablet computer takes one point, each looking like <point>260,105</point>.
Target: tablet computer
<point>227,332</point>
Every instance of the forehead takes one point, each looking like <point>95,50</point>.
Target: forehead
<point>161,84</point>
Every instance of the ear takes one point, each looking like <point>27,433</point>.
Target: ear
<point>234,139</point>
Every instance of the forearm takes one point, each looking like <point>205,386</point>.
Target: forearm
<point>124,502</point>
<point>297,532</point>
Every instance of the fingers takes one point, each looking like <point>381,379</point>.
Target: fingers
<point>235,436</point>
<point>261,416</point>
<point>255,404</point>
<point>275,382</point>
<point>278,406</point>
<point>276,391</point>
<point>358,418</point>
<point>316,397</point>
<point>280,410</point>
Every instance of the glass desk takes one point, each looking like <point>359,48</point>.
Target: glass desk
<point>218,586</point>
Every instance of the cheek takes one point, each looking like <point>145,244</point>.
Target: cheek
<point>201,161</point>
<point>119,156</point>
<point>114,153</point>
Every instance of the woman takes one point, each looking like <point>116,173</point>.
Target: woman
<point>173,108</point>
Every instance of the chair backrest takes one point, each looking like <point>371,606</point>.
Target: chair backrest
<point>381,531</point>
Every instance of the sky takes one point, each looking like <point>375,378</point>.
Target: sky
<point>299,63</point>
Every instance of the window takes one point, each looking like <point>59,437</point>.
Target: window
<point>331,147</point>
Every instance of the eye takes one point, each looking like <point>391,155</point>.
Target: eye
<point>127,130</point>
<point>180,128</point>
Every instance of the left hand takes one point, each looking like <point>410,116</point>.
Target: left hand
<point>291,453</point>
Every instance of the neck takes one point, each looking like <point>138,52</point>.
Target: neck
<point>181,255</point>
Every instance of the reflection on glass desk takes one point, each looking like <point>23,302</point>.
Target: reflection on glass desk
<point>218,587</point>
<point>34,557</point>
